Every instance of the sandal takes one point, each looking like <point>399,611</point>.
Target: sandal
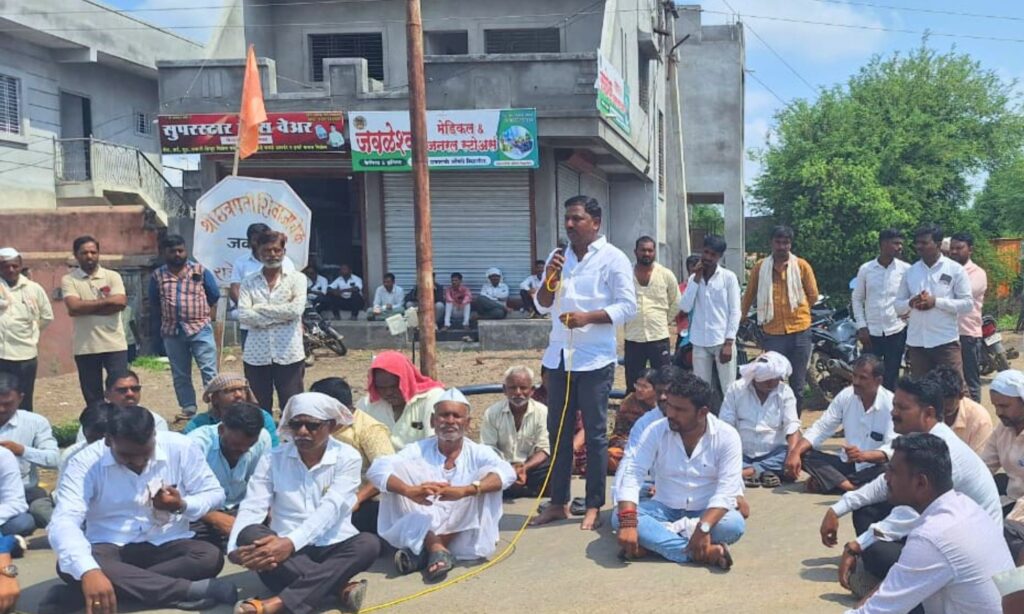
<point>578,506</point>
<point>254,603</point>
<point>770,480</point>
<point>751,481</point>
<point>406,562</point>
<point>352,596</point>
<point>724,563</point>
<point>446,561</point>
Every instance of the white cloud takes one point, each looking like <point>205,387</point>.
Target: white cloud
<point>810,41</point>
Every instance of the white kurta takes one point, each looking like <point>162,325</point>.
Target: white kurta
<point>404,523</point>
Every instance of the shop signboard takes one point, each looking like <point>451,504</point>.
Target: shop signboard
<point>210,133</point>
<point>470,139</point>
<point>612,94</point>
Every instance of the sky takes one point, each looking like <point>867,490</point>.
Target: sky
<point>793,47</point>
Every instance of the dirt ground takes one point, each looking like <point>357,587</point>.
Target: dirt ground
<point>780,562</point>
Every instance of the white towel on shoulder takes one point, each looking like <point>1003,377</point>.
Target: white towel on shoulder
<point>794,288</point>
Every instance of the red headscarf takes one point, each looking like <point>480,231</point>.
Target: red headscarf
<point>410,381</point>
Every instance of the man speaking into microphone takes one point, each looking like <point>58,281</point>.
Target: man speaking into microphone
<point>588,289</point>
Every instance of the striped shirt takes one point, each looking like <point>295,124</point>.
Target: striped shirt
<point>184,298</point>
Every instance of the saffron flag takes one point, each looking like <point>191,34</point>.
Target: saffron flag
<point>253,113</point>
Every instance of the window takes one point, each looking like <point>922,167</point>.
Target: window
<point>538,40</point>
<point>446,43</point>
<point>143,123</point>
<point>10,105</point>
<point>644,66</point>
<point>661,153</point>
<point>369,46</point>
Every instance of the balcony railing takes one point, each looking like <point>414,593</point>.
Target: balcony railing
<point>118,168</point>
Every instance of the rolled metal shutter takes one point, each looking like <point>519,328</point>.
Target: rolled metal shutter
<point>567,186</point>
<point>480,219</point>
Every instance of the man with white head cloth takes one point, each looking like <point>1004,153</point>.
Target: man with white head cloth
<point>307,486</point>
<point>441,496</point>
<point>762,407</point>
<point>492,302</point>
<point>1004,450</point>
<point>24,312</point>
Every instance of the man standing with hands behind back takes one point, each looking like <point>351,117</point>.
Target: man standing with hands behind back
<point>593,281</point>
<point>657,298</point>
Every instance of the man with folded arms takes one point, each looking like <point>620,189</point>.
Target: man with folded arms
<point>696,461</point>
<point>308,551</point>
<point>121,527</point>
<point>441,496</point>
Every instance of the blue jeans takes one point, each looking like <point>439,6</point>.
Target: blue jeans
<point>655,536</point>
<point>181,348</point>
<point>774,461</point>
<point>22,524</point>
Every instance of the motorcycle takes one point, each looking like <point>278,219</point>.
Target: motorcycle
<point>834,342</point>
<point>993,357</point>
<point>318,333</point>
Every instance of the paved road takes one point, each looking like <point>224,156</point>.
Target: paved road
<point>781,566</point>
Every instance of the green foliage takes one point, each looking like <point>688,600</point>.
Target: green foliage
<point>1007,321</point>
<point>708,218</point>
<point>895,147</point>
<point>150,363</point>
<point>1000,205</point>
<point>66,433</point>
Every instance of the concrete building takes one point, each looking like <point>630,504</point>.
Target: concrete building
<point>711,78</point>
<point>79,151</point>
<point>487,54</point>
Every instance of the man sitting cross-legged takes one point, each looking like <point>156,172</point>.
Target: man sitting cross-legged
<point>954,548</point>
<point>864,412</point>
<point>441,496</point>
<point>517,429</point>
<point>124,389</point>
<point>232,449</point>
<point>309,550</point>
<point>223,391</point>
<point>763,409</point>
<point>696,461</point>
<point>121,526</point>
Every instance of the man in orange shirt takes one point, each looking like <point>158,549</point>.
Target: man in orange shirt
<point>784,288</point>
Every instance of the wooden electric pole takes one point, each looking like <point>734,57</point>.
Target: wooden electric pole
<point>421,190</point>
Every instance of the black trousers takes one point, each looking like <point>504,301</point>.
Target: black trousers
<point>970,352</point>
<point>1013,531</point>
<point>534,482</point>
<point>643,354</point>
<point>880,556</point>
<point>528,303</point>
<point>157,576</point>
<point>337,304</point>
<point>91,368</point>
<point>364,519</point>
<point>25,370</point>
<point>890,349</point>
<point>205,532</point>
<point>587,392</point>
<point>287,379</point>
<point>313,573</point>
<point>830,471</point>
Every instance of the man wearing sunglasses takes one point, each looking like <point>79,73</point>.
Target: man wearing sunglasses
<point>309,550</point>
<point>123,389</point>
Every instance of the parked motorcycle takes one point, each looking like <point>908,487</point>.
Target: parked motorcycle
<point>318,333</point>
<point>834,339</point>
<point>993,356</point>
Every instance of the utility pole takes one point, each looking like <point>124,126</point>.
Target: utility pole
<point>421,190</point>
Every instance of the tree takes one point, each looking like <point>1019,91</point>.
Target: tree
<point>895,146</point>
<point>1000,205</point>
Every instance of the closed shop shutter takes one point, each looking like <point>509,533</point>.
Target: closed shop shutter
<point>595,187</point>
<point>480,219</point>
<point>568,186</point>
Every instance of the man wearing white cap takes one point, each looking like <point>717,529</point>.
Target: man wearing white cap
<point>492,302</point>
<point>307,486</point>
<point>762,408</point>
<point>441,496</point>
<point>24,312</point>
<point>1004,450</point>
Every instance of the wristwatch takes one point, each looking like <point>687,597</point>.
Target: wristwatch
<point>476,486</point>
<point>705,527</point>
<point>11,571</point>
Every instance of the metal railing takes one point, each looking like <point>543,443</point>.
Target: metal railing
<point>120,166</point>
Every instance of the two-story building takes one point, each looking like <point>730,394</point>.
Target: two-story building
<point>597,73</point>
<point>79,151</point>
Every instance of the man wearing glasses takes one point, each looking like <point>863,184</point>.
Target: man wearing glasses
<point>124,389</point>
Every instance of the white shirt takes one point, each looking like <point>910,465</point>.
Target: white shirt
<point>498,430</point>
<point>414,423</point>
<point>874,297</point>
<point>320,285</point>
<point>12,491</point>
<point>232,479</point>
<point>274,319</point>
<point>868,429</point>
<point>35,433</point>
<point>115,506</point>
<point>246,265</point>
<point>713,307</point>
<point>970,477</point>
<point>495,293</point>
<point>602,280</point>
<point>474,461</point>
<point>532,283</point>
<point>947,563</point>
<point>762,427</point>
<point>158,423</point>
<point>948,283</point>
<point>382,298</point>
<point>650,417</point>
<point>308,506</point>
<point>708,478</point>
<point>340,283</point>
